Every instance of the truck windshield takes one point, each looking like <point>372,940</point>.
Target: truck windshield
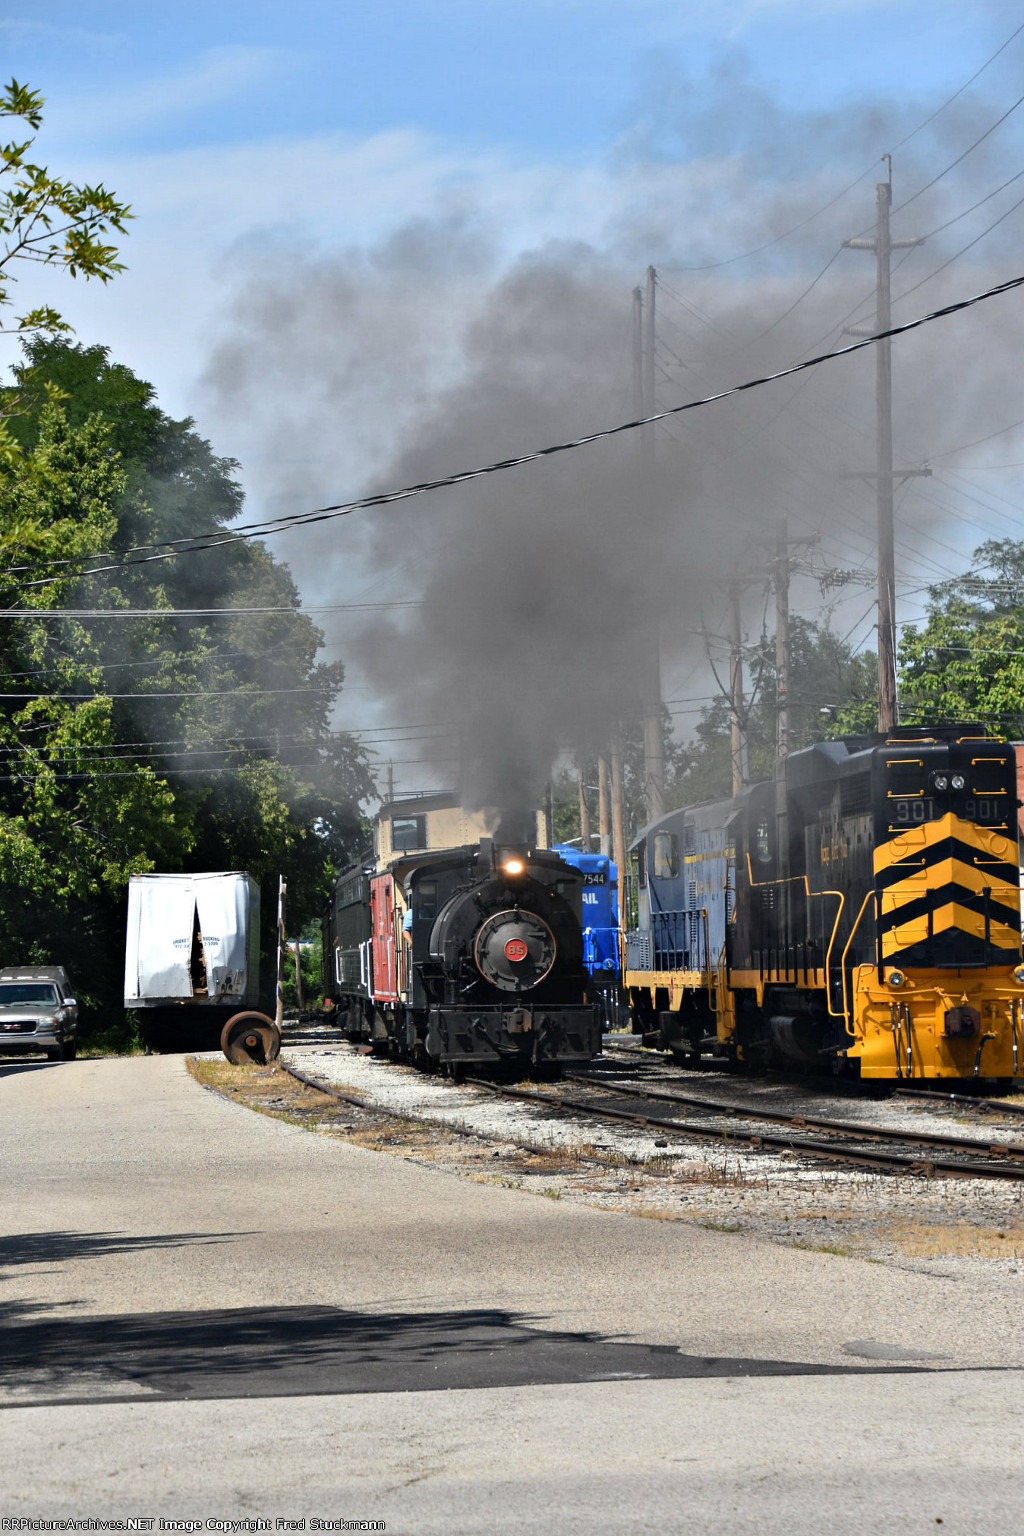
<point>15,993</point>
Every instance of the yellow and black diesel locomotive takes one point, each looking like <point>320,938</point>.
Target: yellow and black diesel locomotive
<point>861,911</point>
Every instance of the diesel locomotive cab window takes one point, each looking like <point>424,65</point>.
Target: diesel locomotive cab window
<point>666,856</point>
<point>408,833</point>
<point>763,841</point>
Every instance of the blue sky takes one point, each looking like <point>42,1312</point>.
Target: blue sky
<point>550,77</point>
<point>330,196</point>
<point>234,122</point>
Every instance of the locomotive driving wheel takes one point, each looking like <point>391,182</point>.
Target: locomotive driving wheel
<point>250,1038</point>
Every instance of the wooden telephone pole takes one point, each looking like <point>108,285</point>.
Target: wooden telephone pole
<point>604,826</point>
<point>584,813</point>
<point>644,405</point>
<point>740,765</point>
<point>883,245</point>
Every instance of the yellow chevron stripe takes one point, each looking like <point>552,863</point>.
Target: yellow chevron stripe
<point>973,877</point>
<point>952,915</point>
<point>926,834</point>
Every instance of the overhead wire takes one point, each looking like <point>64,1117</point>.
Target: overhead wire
<point>796,228</point>
<point>388,498</point>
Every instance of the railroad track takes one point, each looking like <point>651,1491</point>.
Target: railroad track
<point>955,1157</point>
<point>810,1121</point>
<point>853,1145</point>
<point>984,1106</point>
<point>968,1101</point>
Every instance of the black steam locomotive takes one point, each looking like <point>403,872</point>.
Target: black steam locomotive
<point>471,956</point>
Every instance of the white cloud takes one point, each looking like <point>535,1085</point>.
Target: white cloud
<point>217,75</point>
<point>23,31</point>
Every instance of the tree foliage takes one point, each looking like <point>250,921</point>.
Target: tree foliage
<point>831,692</point>
<point>47,220</point>
<point>197,743</point>
<point>967,661</point>
<point>170,741</point>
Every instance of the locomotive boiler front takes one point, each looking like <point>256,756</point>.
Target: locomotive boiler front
<point>511,933</point>
<point>504,976</point>
<point>514,950</point>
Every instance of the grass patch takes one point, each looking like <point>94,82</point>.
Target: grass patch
<point>839,1249</point>
<point>122,1038</point>
<point>925,1240</point>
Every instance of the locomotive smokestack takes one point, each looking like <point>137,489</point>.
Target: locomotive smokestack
<point>517,827</point>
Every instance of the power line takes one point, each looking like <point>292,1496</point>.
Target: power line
<point>757,250</point>
<point>189,613</point>
<point>405,493</point>
<point>949,452</point>
<point>981,201</point>
<point>962,252</point>
<point>242,691</point>
<point>954,163</point>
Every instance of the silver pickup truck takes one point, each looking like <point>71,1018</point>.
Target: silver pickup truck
<point>38,1012</point>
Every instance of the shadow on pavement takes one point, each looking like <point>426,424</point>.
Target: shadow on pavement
<point>299,1351</point>
<point>12,1065</point>
<point>57,1247</point>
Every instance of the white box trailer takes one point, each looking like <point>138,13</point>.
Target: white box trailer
<point>192,939</point>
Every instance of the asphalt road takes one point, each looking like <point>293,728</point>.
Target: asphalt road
<point>209,1314</point>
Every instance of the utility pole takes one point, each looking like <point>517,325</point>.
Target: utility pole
<point>298,974</point>
<point>282,891</point>
<point>782,639</point>
<point>740,767</point>
<point>603,817</point>
<point>644,405</point>
<point>883,245</point>
<point>638,368</point>
<point>618,817</point>
<point>648,355</point>
<point>584,813</point>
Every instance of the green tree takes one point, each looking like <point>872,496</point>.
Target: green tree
<point>229,715</point>
<point>70,835</point>
<point>831,691</point>
<point>565,788</point>
<point>966,662</point>
<point>47,220</point>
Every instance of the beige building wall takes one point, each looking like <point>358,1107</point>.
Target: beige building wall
<point>449,826</point>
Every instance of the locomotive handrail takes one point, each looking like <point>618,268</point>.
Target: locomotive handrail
<point>871,895</point>
<point>791,880</point>
<point>828,955</point>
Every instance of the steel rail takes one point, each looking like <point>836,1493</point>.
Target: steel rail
<point>967,1100</point>
<point>815,1122</point>
<point>946,1168</point>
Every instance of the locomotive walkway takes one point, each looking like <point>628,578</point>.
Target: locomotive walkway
<point>206,1313</point>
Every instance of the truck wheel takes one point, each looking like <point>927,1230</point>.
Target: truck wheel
<point>250,1038</point>
<point>69,1050</point>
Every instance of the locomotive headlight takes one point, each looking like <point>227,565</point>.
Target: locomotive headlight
<point>514,867</point>
<point>897,978</point>
<point>958,781</point>
<point>1018,975</point>
<point>940,781</point>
